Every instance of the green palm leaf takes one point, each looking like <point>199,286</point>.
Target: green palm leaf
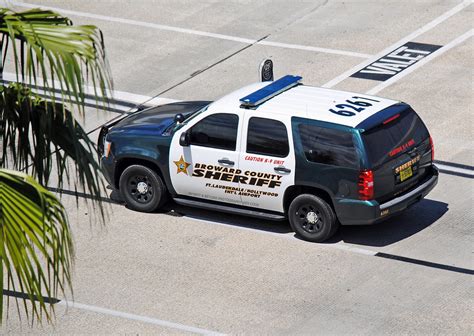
<point>48,50</point>
<point>35,242</point>
<point>34,131</point>
<point>41,136</point>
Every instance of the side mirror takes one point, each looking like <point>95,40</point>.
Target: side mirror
<point>179,118</point>
<point>184,139</point>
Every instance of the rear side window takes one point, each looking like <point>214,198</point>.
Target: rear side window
<point>216,131</point>
<point>328,146</point>
<point>397,136</point>
<point>267,137</point>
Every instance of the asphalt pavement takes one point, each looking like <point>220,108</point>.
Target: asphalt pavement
<point>186,270</point>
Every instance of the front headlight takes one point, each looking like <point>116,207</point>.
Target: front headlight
<point>100,141</point>
<point>107,147</point>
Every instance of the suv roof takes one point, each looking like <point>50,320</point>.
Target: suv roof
<point>304,101</point>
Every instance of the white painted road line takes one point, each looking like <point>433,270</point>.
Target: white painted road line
<point>118,95</point>
<point>136,23</point>
<point>136,98</point>
<point>317,49</point>
<point>191,31</point>
<point>349,248</point>
<point>425,60</point>
<point>146,319</point>
<point>404,40</point>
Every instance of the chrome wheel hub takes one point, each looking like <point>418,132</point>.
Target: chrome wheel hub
<point>142,187</point>
<point>312,217</point>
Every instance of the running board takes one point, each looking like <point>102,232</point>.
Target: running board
<point>229,209</point>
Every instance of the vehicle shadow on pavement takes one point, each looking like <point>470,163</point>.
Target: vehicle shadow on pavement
<point>411,221</point>
<point>173,209</point>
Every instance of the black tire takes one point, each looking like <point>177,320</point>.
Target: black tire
<point>312,218</point>
<point>142,189</point>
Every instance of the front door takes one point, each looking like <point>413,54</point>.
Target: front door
<point>209,167</point>
<point>267,158</point>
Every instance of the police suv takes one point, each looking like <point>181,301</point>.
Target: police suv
<point>275,150</point>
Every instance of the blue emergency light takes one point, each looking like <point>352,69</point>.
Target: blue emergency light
<point>262,95</point>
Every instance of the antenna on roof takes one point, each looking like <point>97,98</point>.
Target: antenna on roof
<point>268,92</point>
<point>266,70</point>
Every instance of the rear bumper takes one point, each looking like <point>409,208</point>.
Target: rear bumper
<point>355,212</point>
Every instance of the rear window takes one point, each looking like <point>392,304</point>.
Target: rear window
<point>388,140</point>
<point>328,146</point>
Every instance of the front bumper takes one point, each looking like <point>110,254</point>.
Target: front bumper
<point>107,165</point>
<point>355,212</point>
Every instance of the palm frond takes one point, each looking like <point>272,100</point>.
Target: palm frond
<point>38,136</point>
<point>51,52</point>
<point>36,250</point>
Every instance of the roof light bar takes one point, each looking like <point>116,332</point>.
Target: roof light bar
<point>268,92</point>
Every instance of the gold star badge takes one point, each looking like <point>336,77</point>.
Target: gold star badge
<point>182,166</point>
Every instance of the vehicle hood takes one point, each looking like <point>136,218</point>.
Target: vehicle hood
<point>158,118</point>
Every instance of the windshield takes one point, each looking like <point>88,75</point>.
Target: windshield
<point>390,139</point>
<point>195,114</point>
<point>188,117</point>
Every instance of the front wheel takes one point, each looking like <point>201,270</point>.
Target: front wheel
<point>142,188</point>
<point>312,218</point>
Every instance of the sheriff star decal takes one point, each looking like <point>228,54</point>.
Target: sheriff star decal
<point>182,166</point>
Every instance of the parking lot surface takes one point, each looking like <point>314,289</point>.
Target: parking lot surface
<point>186,270</point>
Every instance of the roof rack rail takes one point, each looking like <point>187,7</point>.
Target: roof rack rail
<point>268,92</point>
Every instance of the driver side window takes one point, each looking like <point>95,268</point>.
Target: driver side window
<point>216,131</point>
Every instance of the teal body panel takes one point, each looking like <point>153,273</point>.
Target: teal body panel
<point>357,212</point>
<point>145,137</point>
<point>337,181</point>
<point>352,211</point>
<point>150,148</point>
<point>341,183</point>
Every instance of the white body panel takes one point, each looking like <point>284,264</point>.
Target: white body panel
<point>264,196</point>
<point>251,179</point>
<point>193,158</point>
<point>311,102</point>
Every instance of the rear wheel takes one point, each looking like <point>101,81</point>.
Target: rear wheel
<point>312,218</point>
<point>142,189</point>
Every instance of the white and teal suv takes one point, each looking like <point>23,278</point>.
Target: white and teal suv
<point>276,150</point>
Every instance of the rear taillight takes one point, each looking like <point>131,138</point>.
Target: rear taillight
<point>366,185</point>
<point>432,148</point>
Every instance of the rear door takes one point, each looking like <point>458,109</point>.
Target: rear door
<point>399,152</point>
<point>267,160</point>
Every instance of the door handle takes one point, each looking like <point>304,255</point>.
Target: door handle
<point>281,169</point>
<point>226,161</point>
